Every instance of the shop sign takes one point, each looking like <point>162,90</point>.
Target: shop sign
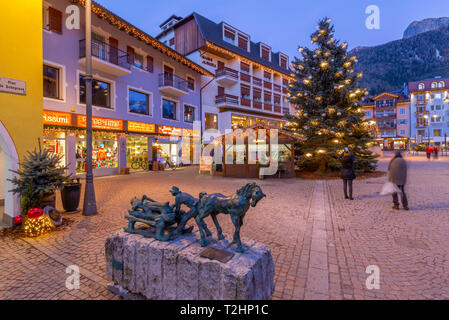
<point>141,127</point>
<point>100,123</point>
<point>57,118</point>
<point>209,61</point>
<point>13,86</point>
<point>169,130</point>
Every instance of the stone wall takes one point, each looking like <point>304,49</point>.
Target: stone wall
<point>174,270</point>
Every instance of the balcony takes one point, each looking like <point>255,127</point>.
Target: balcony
<point>386,116</point>
<point>421,125</point>
<point>245,77</point>
<point>245,102</point>
<point>257,81</point>
<point>267,85</point>
<point>386,126</point>
<point>226,76</point>
<point>257,104</point>
<point>226,100</point>
<point>267,106</point>
<point>172,85</point>
<point>105,58</point>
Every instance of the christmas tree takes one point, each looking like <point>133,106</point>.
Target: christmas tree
<point>329,113</point>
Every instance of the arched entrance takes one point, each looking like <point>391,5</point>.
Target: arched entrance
<point>9,160</point>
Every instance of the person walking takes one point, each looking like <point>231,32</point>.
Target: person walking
<point>347,172</point>
<point>397,174</point>
<point>428,151</point>
<point>436,150</point>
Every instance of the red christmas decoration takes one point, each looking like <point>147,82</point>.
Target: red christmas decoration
<point>35,213</point>
<point>18,220</point>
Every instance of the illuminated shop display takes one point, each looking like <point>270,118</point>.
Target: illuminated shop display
<point>55,142</point>
<point>137,152</point>
<point>104,151</point>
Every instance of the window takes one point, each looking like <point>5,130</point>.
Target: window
<point>51,82</point>
<point>244,67</point>
<point>104,151</point>
<point>421,98</point>
<point>229,35</point>
<point>436,96</point>
<point>243,42</point>
<point>171,42</point>
<point>283,62</point>
<point>138,102</point>
<point>138,60</point>
<point>189,113</point>
<point>168,109</point>
<point>52,19</point>
<point>130,51</point>
<point>420,132</point>
<point>402,111</point>
<point>368,113</point>
<point>441,84</point>
<point>266,76</point>
<point>101,92</point>
<point>245,91</point>
<point>402,132</point>
<point>421,86</point>
<point>265,53</point>
<point>402,121</point>
<point>210,121</point>
<point>433,85</point>
<point>437,132</point>
<point>149,64</point>
<point>438,107</point>
<point>191,83</point>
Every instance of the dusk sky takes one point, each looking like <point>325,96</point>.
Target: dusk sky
<point>285,24</point>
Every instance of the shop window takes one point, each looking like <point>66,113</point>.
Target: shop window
<point>210,121</point>
<point>101,93</point>
<point>104,152</point>
<point>137,152</point>
<point>189,113</point>
<point>139,102</point>
<point>51,82</point>
<point>55,143</point>
<point>239,121</point>
<point>168,109</point>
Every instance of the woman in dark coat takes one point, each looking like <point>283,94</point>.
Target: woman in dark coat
<point>347,172</point>
<point>397,174</point>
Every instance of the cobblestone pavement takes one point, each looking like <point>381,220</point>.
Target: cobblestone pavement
<point>321,244</point>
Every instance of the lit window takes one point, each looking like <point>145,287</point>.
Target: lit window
<point>421,86</point>
<point>101,92</point>
<point>210,121</point>
<point>138,102</point>
<point>441,84</point>
<point>138,60</point>
<point>433,85</point>
<point>189,113</point>
<point>190,83</point>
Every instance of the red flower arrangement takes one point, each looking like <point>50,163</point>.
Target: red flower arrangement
<point>18,220</point>
<point>35,213</point>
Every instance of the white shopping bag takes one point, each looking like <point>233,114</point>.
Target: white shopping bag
<point>389,188</point>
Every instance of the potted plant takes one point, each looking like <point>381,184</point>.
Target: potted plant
<point>38,178</point>
<point>71,194</point>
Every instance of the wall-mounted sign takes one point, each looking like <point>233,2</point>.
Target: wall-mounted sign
<point>209,61</point>
<point>169,130</point>
<point>13,86</point>
<point>100,123</point>
<point>141,127</point>
<point>57,118</point>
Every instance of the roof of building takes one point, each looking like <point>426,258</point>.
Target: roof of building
<point>212,32</point>
<point>413,85</point>
<point>133,31</point>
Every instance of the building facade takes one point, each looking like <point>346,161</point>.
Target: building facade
<point>145,94</point>
<point>20,93</point>
<point>429,100</point>
<point>251,81</point>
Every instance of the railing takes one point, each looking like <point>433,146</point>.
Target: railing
<point>257,104</point>
<point>171,80</point>
<point>421,125</point>
<point>245,77</point>
<point>386,126</point>
<point>267,84</point>
<point>227,72</point>
<point>226,98</point>
<point>385,116</point>
<point>285,111</point>
<point>268,106</point>
<point>257,81</point>
<point>276,87</point>
<point>105,52</point>
<point>245,102</point>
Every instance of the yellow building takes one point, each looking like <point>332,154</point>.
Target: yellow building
<point>20,91</point>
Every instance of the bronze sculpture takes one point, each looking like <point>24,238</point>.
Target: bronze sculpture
<point>165,221</point>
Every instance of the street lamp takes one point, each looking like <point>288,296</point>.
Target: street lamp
<point>90,204</point>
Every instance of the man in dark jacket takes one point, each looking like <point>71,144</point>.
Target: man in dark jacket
<point>347,172</point>
<point>397,174</point>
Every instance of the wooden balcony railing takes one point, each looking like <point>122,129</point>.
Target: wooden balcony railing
<point>268,106</point>
<point>226,98</point>
<point>267,85</point>
<point>257,104</point>
<point>257,81</point>
<point>245,77</point>
<point>227,72</point>
<point>245,102</point>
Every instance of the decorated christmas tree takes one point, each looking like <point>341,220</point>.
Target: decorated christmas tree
<point>328,109</point>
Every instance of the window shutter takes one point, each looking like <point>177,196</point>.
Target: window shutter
<point>244,66</point>
<point>245,90</point>
<point>257,93</point>
<point>113,50</point>
<point>243,43</point>
<point>150,64</point>
<point>229,33</point>
<point>267,75</point>
<point>221,91</point>
<point>55,20</point>
<point>130,51</point>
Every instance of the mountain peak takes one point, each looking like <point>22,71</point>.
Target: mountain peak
<point>417,27</point>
